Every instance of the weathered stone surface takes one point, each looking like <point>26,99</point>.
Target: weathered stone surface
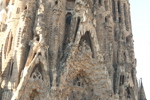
<point>67,50</point>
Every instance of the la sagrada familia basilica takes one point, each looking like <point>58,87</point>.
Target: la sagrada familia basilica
<point>67,50</point>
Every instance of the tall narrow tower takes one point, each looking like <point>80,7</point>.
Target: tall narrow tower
<point>67,50</point>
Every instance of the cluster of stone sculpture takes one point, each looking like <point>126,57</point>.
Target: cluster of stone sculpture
<point>67,50</point>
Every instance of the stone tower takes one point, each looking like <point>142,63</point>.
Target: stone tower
<point>67,50</point>
<point>141,91</point>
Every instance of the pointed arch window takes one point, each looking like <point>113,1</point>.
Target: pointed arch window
<point>68,18</point>
<point>120,20</point>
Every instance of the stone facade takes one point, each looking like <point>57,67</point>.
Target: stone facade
<point>67,50</point>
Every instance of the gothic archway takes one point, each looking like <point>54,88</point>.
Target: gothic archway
<point>36,87</point>
<point>37,70</point>
<point>82,87</point>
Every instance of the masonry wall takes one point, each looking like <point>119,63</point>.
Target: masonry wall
<point>67,50</point>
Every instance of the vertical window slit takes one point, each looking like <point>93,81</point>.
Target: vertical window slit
<point>113,10</point>
<point>119,19</point>
<point>118,6</point>
<point>100,2</point>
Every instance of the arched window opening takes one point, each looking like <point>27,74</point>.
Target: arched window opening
<point>124,6</point>
<point>128,92</point>
<point>119,7</point>
<point>39,54</point>
<point>113,10</point>
<point>128,40</point>
<point>67,29</point>
<point>124,54</point>
<point>25,7</point>
<point>121,80</point>
<point>120,20</point>
<point>87,41</point>
<point>80,83</point>
<point>115,35</point>
<point>126,17</point>
<point>56,2</point>
<point>68,18</point>
<point>106,20</point>
<point>100,2</point>
<point>37,38</point>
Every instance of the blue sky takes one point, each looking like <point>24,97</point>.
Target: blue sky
<point>140,16</point>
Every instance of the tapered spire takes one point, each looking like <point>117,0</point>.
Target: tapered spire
<point>142,95</point>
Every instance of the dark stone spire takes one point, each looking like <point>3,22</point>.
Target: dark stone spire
<point>142,95</point>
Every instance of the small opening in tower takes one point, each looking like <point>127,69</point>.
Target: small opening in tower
<point>124,56</point>
<point>119,19</point>
<point>128,92</point>
<point>79,84</point>
<point>39,54</point>
<point>37,39</point>
<point>56,2</point>
<point>106,20</point>
<point>25,7</point>
<point>121,80</point>
<point>119,6</point>
<point>113,10</point>
<point>68,18</point>
<point>100,2</point>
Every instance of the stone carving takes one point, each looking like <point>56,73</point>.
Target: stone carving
<point>36,74</point>
<point>34,50</point>
<point>87,54</point>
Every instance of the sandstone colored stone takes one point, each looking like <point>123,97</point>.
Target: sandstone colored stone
<point>67,50</point>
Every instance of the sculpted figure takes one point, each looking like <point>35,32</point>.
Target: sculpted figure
<point>36,47</point>
<point>101,57</point>
<point>87,22</point>
<point>36,74</point>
